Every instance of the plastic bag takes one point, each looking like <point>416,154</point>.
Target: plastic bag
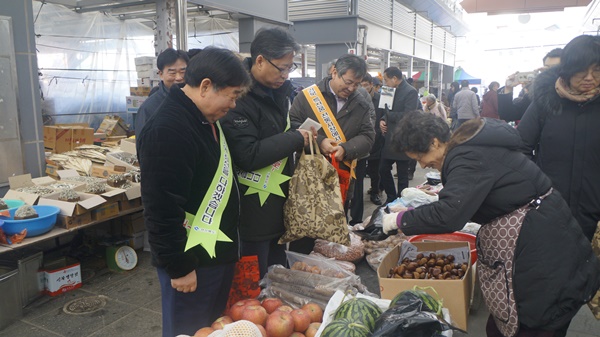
<point>352,253</point>
<point>245,280</point>
<point>374,229</point>
<point>345,265</point>
<point>408,320</point>
<point>414,197</point>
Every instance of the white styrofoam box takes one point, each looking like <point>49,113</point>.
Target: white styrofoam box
<point>144,67</point>
<point>145,60</point>
<point>144,82</point>
<point>147,73</point>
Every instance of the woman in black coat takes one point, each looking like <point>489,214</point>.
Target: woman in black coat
<point>489,181</point>
<point>562,125</point>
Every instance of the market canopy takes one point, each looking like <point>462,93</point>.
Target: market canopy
<point>460,74</point>
<point>420,76</point>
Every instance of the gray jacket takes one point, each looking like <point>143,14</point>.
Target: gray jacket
<point>465,103</point>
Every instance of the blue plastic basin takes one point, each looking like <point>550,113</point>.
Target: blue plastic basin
<point>37,226</point>
<point>12,203</point>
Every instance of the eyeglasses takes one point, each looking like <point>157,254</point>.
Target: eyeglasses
<point>284,71</point>
<point>595,71</point>
<point>350,83</point>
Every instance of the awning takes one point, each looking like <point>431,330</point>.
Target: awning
<point>420,76</point>
<point>460,74</point>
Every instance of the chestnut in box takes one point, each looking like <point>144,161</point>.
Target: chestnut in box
<point>456,294</point>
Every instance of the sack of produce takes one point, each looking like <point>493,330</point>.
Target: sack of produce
<point>352,253</point>
<point>345,265</point>
<point>314,207</point>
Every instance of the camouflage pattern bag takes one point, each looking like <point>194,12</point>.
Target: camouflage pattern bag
<point>594,304</point>
<point>314,207</point>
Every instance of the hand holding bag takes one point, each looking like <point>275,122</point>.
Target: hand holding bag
<point>314,207</point>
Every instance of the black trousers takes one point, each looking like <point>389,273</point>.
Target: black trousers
<point>373,172</point>
<point>357,201</point>
<point>269,252</point>
<point>185,313</point>
<point>387,179</point>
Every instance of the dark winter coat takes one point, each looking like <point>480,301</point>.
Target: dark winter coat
<point>486,177</point>
<point>512,110</point>
<point>406,99</point>
<point>568,137</point>
<point>150,106</point>
<point>178,157</point>
<point>489,104</point>
<point>377,147</point>
<point>256,135</point>
<point>354,119</point>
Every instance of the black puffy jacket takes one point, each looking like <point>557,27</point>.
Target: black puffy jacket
<point>255,131</point>
<point>569,147</point>
<point>485,177</point>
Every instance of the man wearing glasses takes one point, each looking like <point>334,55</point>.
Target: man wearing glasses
<point>171,66</point>
<point>351,112</point>
<point>262,145</point>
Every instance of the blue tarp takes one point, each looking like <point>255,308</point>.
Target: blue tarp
<point>460,74</point>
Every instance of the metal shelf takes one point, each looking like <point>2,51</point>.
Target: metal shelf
<point>57,231</point>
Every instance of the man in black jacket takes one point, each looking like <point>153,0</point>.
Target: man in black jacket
<point>171,65</point>
<point>262,145</point>
<point>190,195</point>
<point>405,100</point>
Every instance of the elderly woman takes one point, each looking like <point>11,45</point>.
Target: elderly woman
<point>433,106</point>
<point>562,125</point>
<point>489,101</point>
<point>529,286</point>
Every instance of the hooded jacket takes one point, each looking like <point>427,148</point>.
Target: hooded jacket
<point>567,142</point>
<point>486,177</point>
<point>256,135</point>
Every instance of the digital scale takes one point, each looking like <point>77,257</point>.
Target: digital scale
<point>121,258</point>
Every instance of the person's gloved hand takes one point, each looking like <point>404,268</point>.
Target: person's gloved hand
<point>389,222</point>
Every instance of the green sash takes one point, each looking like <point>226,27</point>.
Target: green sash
<point>266,180</point>
<point>204,229</point>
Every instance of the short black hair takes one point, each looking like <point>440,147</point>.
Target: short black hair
<point>455,85</point>
<point>474,89</point>
<point>556,52</point>
<point>416,132</point>
<point>367,78</point>
<point>221,66</point>
<point>192,52</point>
<point>578,55</point>
<point>351,62</point>
<point>170,56</point>
<point>273,43</point>
<point>464,84</point>
<point>393,72</point>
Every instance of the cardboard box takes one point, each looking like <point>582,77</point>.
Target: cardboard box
<point>140,90</point>
<point>134,192</point>
<point>104,171</point>
<point>132,223</point>
<point>70,222</point>
<point>105,211</point>
<point>113,126</point>
<point>15,182</point>
<point>128,145</point>
<point>133,103</point>
<point>51,169</point>
<point>456,294</point>
<point>126,204</point>
<point>66,137</point>
<point>61,276</point>
<point>137,240</point>
<point>114,158</point>
<point>86,204</point>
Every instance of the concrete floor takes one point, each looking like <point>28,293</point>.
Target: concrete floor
<point>133,303</point>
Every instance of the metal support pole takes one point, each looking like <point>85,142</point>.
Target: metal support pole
<point>182,29</point>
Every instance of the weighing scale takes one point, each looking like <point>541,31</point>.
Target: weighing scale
<point>121,258</point>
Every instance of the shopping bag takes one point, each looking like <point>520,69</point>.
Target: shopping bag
<point>594,304</point>
<point>314,207</point>
<point>343,177</point>
<point>245,280</point>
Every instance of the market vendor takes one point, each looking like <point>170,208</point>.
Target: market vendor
<point>190,193</point>
<point>532,254</point>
